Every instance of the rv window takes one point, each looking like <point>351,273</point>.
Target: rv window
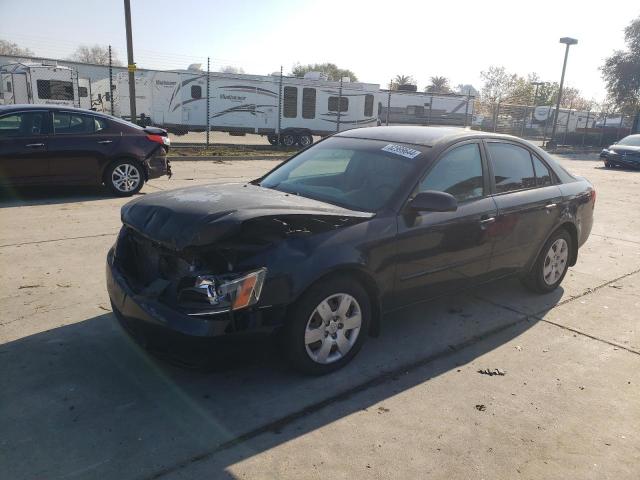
<point>8,86</point>
<point>308,103</point>
<point>416,110</point>
<point>196,91</point>
<point>379,108</point>
<point>22,124</point>
<point>290,103</point>
<point>368,105</point>
<point>54,90</point>
<point>107,97</point>
<point>83,92</point>
<point>65,123</point>
<point>333,104</point>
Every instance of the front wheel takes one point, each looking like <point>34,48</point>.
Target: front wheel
<point>327,326</point>
<point>273,139</point>
<point>288,139</point>
<point>608,165</point>
<point>305,140</point>
<point>124,178</point>
<point>552,263</point>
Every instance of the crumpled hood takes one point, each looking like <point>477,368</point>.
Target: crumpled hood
<point>200,215</point>
<point>624,148</point>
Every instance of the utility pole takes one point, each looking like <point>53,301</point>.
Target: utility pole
<point>208,100</point>
<point>110,81</point>
<point>568,41</point>
<point>131,66</point>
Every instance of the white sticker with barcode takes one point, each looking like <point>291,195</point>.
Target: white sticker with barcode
<point>401,150</point>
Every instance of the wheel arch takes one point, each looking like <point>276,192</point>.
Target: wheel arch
<point>572,230</point>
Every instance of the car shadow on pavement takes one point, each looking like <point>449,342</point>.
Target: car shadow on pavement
<point>85,400</point>
<point>51,195</point>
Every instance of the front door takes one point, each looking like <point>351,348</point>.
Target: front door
<point>439,252</point>
<point>80,144</point>
<point>24,147</point>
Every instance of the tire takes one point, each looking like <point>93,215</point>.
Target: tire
<point>552,263</point>
<point>124,177</point>
<point>608,165</point>
<point>313,345</point>
<point>288,139</point>
<point>273,139</point>
<point>305,140</point>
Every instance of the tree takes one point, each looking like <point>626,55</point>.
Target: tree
<point>497,83</point>
<point>402,80</point>
<point>331,69</point>
<point>10,48</point>
<point>621,72</point>
<point>232,69</point>
<point>96,54</point>
<point>467,89</point>
<point>438,85</point>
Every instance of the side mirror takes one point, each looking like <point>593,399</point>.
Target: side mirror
<point>433,201</point>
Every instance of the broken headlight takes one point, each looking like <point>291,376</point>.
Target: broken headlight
<point>222,293</point>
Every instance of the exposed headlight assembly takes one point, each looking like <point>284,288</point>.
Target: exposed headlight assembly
<point>223,293</point>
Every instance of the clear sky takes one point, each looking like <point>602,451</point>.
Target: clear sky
<point>377,40</point>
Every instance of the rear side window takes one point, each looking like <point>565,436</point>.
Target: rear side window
<point>290,104</point>
<point>543,175</point>
<point>308,103</point>
<point>196,91</point>
<point>458,172</point>
<point>24,124</point>
<point>54,90</point>
<point>512,167</point>
<point>67,123</point>
<point>342,101</point>
<point>368,105</point>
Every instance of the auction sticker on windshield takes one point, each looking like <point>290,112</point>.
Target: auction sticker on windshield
<point>401,150</point>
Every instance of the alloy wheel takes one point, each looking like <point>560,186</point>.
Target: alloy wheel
<point>125,177</point>
<point>555,261</point>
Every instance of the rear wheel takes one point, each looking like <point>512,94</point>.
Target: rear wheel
<point>327,326</point>
<point>552,263</point>
<point>124,178</point>
<point>305,140</point>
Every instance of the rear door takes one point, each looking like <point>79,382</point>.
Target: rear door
<point>528,201</point>
<point>442,251</point>
<point>80,145</point>
<point>24,147</point>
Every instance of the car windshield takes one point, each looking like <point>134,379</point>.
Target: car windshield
<point>630,141</point>
<point>354,173</point>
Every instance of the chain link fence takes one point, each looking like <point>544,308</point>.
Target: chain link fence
<point>199,105</point>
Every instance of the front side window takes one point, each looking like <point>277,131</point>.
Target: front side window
<point>458,172</point>
<point>368,105</point>
<point>308,103</point>
<point>290,103</point>
<point>512,167</point>
<point>196,91</point>
<point>24,124</point>
<point>66,123</point>
<point>352,173</point>
<point>54,90</point>
<point>335,101</point>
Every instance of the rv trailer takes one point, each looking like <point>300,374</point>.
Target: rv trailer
<point>571,120</point>
<point>297,108</point>
<point>43,83</point>
<point>418,108</point>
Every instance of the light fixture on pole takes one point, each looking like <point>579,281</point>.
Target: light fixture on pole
<point>568,41</point>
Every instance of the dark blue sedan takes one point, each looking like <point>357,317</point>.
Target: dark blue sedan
<point>625,153</point>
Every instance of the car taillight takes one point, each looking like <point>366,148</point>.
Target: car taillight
<point>159,139</point>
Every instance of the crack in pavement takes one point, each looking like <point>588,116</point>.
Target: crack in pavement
<point>58,239</point>
<point>279,424</point>
<point>615,238</point>
<point>539,315</point>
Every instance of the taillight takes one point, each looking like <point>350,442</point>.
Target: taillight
<point>159,139</point>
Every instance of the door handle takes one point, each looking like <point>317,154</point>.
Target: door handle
<point>550,206</point>
<point>103,142</point>
<point>34,145</point>
<point>487,221</point>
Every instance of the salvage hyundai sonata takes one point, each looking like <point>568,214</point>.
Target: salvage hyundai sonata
<point>360,224</point>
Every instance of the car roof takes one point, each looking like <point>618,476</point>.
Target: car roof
<point>41,106</point>
<point>418,135</point>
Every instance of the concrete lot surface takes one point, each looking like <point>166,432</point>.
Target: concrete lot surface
<point>79,399</point>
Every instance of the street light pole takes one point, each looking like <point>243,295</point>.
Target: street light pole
<point>131,66</point>
<point>568,41</point>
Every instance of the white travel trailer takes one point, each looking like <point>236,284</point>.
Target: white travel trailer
<point>571,120</point>
<point>418,108</point>
<point>298,108</point>
<point>46,83</point>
